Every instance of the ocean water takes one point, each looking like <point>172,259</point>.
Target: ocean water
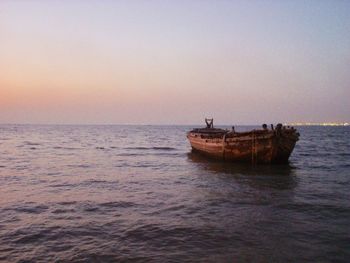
<point>137,193</point>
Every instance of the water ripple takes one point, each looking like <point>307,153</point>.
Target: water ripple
<point>138,193</point>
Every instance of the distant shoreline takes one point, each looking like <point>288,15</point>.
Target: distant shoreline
<point>318,124</point>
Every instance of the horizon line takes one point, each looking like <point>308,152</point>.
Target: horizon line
<point>173,124</point>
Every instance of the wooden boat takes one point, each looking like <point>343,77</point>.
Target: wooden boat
<point>273,145</point>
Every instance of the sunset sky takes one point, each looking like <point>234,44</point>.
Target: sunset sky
<point>174,62</point>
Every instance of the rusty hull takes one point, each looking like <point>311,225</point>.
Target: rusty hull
<point>256,146</point>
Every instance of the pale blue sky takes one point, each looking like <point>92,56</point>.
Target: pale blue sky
<point>174,62</point>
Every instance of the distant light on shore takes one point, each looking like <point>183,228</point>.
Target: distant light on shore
<point>318,124</point>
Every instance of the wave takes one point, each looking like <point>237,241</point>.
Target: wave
<point>118,204</point>
<point>65,148</point>
<point>79,166</point>
<point>63,185</point>
<point>31,143</point>
<point>164,148</point>
<point>35,209</point>
<point>151,148</point>
<point>63,211</point>
<point>148,154</point>
<point>67,203</point>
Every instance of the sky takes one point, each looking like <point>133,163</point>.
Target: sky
<point>174,62</point>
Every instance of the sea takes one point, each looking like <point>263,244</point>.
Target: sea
<point>128,193</point>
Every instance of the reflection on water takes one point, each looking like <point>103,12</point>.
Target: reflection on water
<point>274,176</point>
